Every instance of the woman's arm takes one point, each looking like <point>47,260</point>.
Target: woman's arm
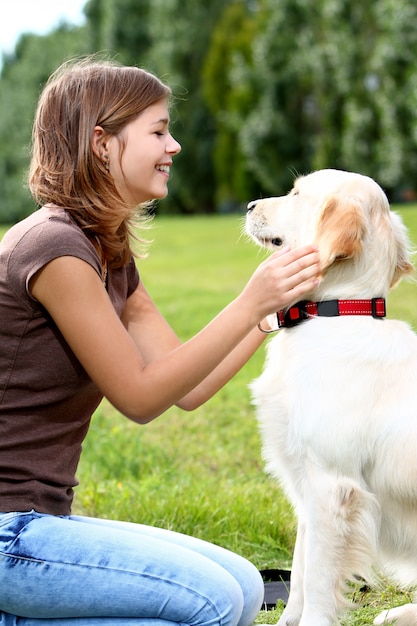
<point>146,370</point>
<point>154,337</point>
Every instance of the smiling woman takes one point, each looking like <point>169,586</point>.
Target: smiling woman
<point>78,324</point>
<point>140,157</point>
<point>117,115</point>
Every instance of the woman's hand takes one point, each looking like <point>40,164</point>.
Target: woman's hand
<point>283,279</point>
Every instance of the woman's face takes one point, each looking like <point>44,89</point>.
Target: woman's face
<point>141,169</point>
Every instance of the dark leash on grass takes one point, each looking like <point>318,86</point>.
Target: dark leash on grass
<point>277,587</point>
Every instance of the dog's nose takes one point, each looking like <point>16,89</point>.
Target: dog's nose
<point>251,205</point>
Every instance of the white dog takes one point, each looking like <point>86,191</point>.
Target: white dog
<point>337,401</point>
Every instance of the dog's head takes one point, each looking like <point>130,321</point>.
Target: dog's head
<point>363,246</point>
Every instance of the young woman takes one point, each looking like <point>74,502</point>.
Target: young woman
<point>77,324</point>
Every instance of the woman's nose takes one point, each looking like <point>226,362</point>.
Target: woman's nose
<point>173,147</point>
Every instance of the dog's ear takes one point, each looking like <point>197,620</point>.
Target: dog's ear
<point>340,230</point>
<point>403,265</point>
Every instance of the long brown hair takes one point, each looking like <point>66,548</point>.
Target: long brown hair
<point>64,170</point>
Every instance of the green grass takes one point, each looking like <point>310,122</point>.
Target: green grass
<point>198,473</point>
<point>202,473</point>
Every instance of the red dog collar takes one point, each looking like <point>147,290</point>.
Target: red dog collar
<point>330,308</point>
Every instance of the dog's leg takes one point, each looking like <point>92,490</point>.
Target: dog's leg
<point>341,529</point>
<point>292,612</point>
<point>405,615</point>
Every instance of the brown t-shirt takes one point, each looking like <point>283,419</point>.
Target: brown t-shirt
<point>46,397</point>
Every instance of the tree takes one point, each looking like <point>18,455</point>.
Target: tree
<point>23,74</point>
<point>263,90</point>
<point>181,32</point>
<point>380,121</point>
<point>160,35</point>
<point>341,93</point>
<point>327,84</point>
<point>229,95</point>
<point>120,28</point>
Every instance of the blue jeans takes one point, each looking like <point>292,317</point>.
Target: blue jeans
<point>79,571</point>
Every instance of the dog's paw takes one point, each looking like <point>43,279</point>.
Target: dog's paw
<point>288,620</point>
<point>405,615</point>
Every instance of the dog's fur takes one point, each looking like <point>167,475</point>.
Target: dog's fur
<point>337,401</point>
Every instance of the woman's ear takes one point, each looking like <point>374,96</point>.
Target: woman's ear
<point>99,143</point>
<point>340,230</point>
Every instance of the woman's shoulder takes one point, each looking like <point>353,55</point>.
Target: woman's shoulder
<point>48,233</point>
<point>47,219</point>
<point>48,228</point>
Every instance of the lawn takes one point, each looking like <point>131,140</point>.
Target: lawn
<point>199,472</point>
<point>202,473</point>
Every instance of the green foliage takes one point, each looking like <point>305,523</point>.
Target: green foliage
<point>326,80</point>
<point>22,77</point>
<point>370,60</point>
<point>181,31</point>
<point>263,90</point>
<point>121,28</point>
<point>156,35</point>
<point>229,94</point>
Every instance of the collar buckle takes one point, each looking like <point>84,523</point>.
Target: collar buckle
<point>378,308</point>
<point>293,316</point>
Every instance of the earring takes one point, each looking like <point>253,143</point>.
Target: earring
<point>106,163</point>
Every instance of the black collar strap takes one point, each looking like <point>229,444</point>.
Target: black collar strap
<point>330,308</point>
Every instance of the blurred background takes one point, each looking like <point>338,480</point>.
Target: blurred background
<point>264,89</point>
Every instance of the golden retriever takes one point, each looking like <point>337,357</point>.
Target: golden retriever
<point>337,400</point>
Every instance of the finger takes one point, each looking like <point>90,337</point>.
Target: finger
<point>301,273</point>
<point>292,254</point>
<point>292,260</point>
<point>299,269</point>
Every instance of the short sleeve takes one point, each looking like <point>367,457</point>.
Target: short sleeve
<point>39,244</point>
